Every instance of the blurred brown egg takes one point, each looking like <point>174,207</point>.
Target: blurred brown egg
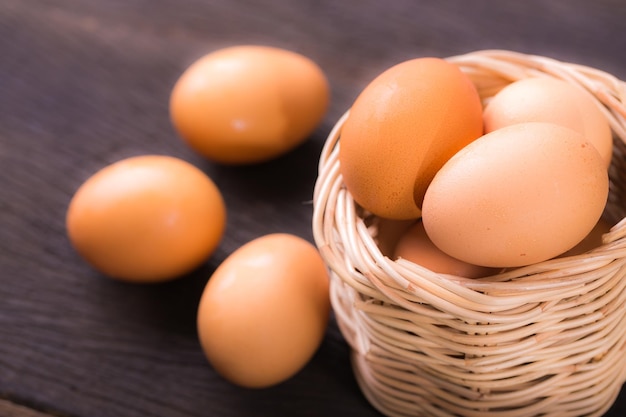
<point>248,104</point>
<point>146,218</point>
<point>264,311</point>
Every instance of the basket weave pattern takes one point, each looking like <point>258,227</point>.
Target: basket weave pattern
<point>548,339</point>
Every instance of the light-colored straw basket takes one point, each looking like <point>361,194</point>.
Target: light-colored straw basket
<point>548,339</point>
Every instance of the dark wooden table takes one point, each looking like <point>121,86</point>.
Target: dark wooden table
<point>84,83</point>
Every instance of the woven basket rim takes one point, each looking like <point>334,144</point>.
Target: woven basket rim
<point>553,275</point>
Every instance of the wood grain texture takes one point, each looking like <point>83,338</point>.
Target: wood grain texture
<point>9,409</point>
<point>84,83</point>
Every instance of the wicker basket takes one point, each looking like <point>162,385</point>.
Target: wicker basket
<point>548,339</point>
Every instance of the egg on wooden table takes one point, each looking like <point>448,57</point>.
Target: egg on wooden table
<point>548,99</point>
<point>264,311</point>
<point>401,129</point>
<point>249,103</point>
<point>146,218</point>
<point>516,196</point>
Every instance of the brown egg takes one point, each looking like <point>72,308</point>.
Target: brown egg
<point>146,218</point>
<point>248,104</point>
<point>264,311</point>
<point>518,195</point>
<point>401,129</point>
<point>547,99</point>
<point>415,246</point>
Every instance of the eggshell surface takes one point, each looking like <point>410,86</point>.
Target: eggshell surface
<point>264,311</point>
<point>548,99</point>
<point>147,218</point>
<point>415,246</point>
<point>248,104</point>
<point>518,195</point>
<point>401,129</point>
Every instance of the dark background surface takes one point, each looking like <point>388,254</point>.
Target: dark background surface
<point>86,83</point>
